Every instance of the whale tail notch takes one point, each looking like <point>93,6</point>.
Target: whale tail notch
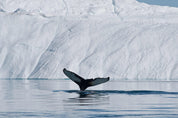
<point>84,83</point>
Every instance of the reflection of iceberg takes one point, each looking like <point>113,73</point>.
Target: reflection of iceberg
<point>53,98</point>
<point>135,41</point>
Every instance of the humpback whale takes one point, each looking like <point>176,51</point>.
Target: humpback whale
<point>84,83</point>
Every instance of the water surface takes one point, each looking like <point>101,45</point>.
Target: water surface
<point>61,98</point>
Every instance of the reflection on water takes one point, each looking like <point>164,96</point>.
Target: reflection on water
<point>62,98</point>
<point>86,98</point>
<point>100,92</point>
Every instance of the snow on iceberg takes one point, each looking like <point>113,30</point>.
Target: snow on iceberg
<point>123,39</point>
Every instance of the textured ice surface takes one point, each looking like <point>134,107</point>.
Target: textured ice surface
<point>122,39</point>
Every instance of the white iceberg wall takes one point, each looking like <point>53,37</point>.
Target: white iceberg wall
<point>99,38</point>
<point>23,40</point>
<point>47,7</point>
<point>79,8</point>
<point>117,49</point>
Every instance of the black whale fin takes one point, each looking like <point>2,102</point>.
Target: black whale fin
<point>83,84</point>
<point>74,77</point>
<point>98,80</point>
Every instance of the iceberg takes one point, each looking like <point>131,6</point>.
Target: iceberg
<point>123,39</point>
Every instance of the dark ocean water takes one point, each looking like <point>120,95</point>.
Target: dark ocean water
<point>21,98</point>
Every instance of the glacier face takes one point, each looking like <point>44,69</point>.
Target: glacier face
<point>116,38</point>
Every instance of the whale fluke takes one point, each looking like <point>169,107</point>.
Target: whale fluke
<point>84,83</point>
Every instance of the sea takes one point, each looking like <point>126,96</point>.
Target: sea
<point>61,98</point>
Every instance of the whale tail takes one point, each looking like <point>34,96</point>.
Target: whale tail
<point>84,83</point>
